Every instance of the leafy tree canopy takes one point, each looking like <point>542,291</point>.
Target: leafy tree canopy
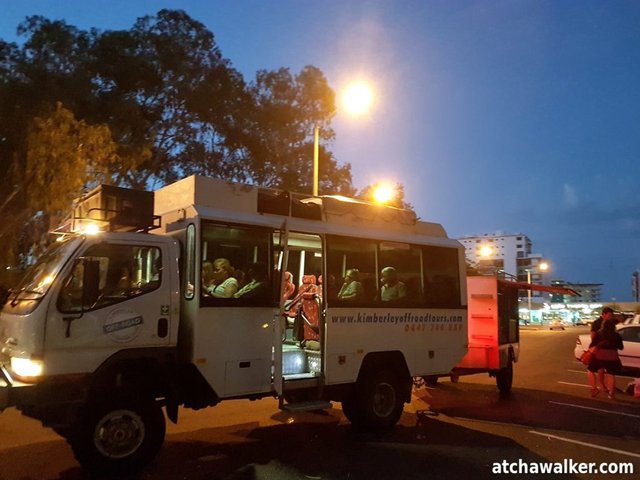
<point>146,106</point>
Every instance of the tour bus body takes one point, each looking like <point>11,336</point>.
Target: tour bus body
<point>96,361</point>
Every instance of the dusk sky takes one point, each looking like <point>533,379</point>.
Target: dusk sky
<point>512,116</point>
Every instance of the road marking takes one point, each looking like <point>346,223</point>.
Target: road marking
<point>576,384</point>
<point>585,371</point>
<point>596,409</point>
<point>600,447</point>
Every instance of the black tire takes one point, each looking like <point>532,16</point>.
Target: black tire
<point>118,434</point>
<point>379,401</point>
<point>431,380</point>
<point>350,407</point>
<point>504,378</point>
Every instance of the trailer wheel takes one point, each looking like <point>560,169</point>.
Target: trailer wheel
<point>379,401</point>
<point>118,435</point>
<point>504,377</point>
<point>431,380</point>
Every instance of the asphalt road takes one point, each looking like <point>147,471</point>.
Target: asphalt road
<point>459,429</point>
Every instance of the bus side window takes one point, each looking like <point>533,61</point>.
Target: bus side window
<point>238,257</point>
<point>442,278</point>
<point>347,254</point>
<point>406,261</point>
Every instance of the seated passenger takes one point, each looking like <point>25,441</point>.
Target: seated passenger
<point>351,288</point>
<point>207,276</point>
<point>392,288</point>
<point>258,286</point>
<point>223,284</point>
<point>289,286</point>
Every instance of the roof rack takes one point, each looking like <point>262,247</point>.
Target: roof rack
<point>115,209</point>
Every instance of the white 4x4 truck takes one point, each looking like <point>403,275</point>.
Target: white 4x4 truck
<point>180,298</point>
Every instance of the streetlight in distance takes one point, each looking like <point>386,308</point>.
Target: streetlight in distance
<point>486,251</point>
<point>356,99</point>
<point>542,267</point>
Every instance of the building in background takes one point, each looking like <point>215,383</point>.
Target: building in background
<point>635,286</point>
<point>587,292</point>
<point>491,252</point>
<point>513,255</point>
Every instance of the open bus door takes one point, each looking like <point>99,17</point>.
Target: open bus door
<point>298,373</point>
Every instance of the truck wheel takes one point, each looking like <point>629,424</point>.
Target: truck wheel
<point>504,378</point>
<point>350,407</point>
<point>118,435</point>
<point>380,402</point>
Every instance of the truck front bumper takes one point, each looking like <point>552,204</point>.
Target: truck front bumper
<point>5,385</point>
<point>12,392</point>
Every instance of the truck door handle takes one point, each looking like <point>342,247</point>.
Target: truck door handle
<point>163,327</point>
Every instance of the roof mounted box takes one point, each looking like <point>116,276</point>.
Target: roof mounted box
<point>115,209</point>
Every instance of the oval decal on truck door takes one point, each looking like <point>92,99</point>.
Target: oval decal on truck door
<point>122,325</point>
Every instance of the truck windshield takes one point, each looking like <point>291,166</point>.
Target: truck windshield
<point>40,276</point>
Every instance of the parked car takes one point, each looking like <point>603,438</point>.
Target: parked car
<point>634,320</point>
<point>629,357</point>
<point>556,325</point>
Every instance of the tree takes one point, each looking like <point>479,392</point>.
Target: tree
<point>169,97</point>
<point>63,157</point>
<point>279,147</point>
<point>170,102</point>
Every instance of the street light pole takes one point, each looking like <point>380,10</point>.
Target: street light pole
<point>542,267</point>
<point>357,99</point>
<point>316,160</point>
<point>529,292</point>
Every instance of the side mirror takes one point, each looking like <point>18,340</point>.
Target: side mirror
<point>90,282</point>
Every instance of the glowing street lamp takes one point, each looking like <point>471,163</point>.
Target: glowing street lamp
<point>357,99</point>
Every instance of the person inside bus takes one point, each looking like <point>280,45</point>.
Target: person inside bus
<point>222,284</point>
<point>351,288</point>
<point>258,285</point>
<point>207,276</point>
<point>392,287</point>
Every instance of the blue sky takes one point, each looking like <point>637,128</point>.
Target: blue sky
<point>513,116</point>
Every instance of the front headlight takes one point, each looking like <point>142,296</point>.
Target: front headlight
<point>25,368</point>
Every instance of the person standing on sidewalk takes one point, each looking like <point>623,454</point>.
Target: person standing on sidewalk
<point>606,314</point>
<point>607,342</point>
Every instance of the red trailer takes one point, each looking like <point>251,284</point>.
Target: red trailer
<point>493,328</point>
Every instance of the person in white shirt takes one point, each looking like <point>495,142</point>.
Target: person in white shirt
<point>351,288</point>
<point>222,284</point>
<point>392,288</point>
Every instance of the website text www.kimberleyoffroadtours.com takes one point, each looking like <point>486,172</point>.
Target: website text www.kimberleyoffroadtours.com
<point>566,467</point>
<point>394,318</point>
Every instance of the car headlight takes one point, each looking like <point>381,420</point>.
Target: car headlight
<point>25,368</point>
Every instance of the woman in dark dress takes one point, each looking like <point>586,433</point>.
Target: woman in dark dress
<point>607,343</point>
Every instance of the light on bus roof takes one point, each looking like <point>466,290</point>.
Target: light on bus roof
<point>383,193</point>
<point>90,229</point>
